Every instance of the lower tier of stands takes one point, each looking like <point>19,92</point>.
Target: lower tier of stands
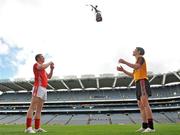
<point>91,119</point>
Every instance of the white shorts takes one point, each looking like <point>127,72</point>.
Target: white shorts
<point>39,92</point>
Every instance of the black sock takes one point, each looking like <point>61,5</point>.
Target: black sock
<point>150,123</point>
<point>144,125</point>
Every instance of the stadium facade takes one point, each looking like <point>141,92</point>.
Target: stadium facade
<point>106,99</point>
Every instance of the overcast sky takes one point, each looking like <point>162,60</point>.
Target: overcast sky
<point>66,32</point>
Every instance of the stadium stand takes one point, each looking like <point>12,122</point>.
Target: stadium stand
<point>107,99</point>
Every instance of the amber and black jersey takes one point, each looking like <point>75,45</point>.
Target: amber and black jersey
<point>140,73</point>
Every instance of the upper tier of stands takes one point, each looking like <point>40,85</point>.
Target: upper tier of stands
<point>106,94</point>
<point>86,82</point>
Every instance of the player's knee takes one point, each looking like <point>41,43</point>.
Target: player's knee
<point>147,106</point>
<point>32,107</point>
<point>38,113</point>
<point>38,109</point>
<point>140,105</point>
<point>143,104</point>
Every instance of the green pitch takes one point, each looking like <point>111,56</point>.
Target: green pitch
<point>161,129</point>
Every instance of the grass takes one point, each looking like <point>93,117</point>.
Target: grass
<point>161,129</point>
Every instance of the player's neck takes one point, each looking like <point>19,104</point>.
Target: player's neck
<point>40,62</point>
<point>137,56</point>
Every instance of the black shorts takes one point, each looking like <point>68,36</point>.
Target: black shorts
<point>142,88</point>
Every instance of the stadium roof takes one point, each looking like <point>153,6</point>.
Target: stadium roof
<point>90,82</point>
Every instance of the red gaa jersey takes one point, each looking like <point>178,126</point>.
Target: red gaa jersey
<point>40,76</point>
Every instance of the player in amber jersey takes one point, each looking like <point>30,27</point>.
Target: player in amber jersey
<point>143,91</point>
<point>39,93</point>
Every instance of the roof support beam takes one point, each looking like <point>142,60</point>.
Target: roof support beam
<point>152,78</point>
<point>65,85</point>
<point>18,86</point>
<point>131,83</point>
<point>176,75</point>
<point>51,86</point>
<point>80,82</point>
<point>114,83</point>
<point>97,83</point>
<point>4,88</point>
<point>30,83</point>
<point>164,79</point>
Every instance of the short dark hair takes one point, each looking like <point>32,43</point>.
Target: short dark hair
<point>37,56</point>
<point>141,50</point>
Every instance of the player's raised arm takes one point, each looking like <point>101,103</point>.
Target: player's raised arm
<point>125,71</point>
<point>44,66</point>
<point>40,62</point>
<point>131,65</point>
<point>51,71</point>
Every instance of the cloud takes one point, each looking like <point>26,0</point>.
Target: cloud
<point>4,47</point>
<point>8,59</point>
<point>26,60</point>
<point>66,32</point>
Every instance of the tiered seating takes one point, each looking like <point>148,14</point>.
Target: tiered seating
<point>106,94</point>
<point>93,106</point>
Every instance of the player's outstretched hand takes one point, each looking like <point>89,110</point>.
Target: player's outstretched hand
<point>122,61</point>
<point>52,66</point>
<point>120,68</point>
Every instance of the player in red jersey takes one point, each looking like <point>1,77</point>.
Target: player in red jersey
<point>39,93</point>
